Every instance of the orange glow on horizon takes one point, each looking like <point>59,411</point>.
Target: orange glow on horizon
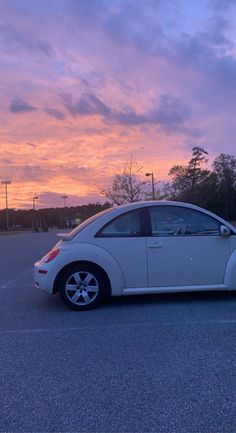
<point>76,105</point>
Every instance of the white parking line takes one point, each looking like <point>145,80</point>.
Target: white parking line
<point>15,280</point>
<point>118,327</point>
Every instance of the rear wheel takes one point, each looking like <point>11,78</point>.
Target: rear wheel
<point>82,286</point>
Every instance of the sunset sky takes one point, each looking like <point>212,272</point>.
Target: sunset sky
<point>85,84</point>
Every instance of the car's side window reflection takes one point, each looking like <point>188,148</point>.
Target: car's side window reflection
<point>174,220</point>
<point>126,225</point>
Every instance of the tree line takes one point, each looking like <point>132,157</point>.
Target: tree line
<point>212,188</point>
<point>42,219</point>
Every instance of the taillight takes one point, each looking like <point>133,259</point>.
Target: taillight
<point>51,255</point>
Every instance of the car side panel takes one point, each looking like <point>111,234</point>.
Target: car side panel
<point>130,253</point>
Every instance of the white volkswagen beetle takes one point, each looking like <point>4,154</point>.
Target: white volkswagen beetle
<point>140,248</point>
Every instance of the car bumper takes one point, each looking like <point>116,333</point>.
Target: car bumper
<point>44,277</point>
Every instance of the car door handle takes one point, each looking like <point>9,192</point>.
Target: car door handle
<point>155,245</point>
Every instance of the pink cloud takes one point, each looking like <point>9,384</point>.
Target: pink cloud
<point>86,84</point>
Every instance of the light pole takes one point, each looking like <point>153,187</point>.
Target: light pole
<point>64,197</point>
<point>6,182</point>
<point>153,190</point>
<point>34,221</point>
<point>34,198</point>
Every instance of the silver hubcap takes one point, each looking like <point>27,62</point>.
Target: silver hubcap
<point>82,288</point>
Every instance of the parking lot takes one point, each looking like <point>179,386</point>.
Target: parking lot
<point>164,363</point>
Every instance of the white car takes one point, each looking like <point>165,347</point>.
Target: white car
<point>140,248</point>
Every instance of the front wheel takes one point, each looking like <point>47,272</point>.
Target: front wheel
<point>82,287</point>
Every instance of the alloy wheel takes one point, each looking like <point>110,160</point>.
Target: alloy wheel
<point>81,288</point>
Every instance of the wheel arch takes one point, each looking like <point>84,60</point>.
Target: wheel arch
<point>82,262</point>
<point>230,272</point>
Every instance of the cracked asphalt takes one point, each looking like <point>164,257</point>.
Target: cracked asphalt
<point>163,364</point>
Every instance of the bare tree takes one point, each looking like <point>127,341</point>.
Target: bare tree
<point>126,187</point>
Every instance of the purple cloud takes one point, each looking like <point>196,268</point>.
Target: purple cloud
<point>53,112</point>
<point>87,104</point>
<point>14,39</point>
<point>31,144</point>
<point>170,113</point>
<point>128,117</point>
<point>17,106</point>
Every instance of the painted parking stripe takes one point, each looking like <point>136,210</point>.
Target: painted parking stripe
<point>120,327</point>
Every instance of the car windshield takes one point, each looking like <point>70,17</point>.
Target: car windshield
<point>80,227</point>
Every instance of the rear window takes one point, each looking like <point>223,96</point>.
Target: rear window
<point>84,224</point>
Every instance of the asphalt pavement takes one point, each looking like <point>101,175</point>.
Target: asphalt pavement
<point>163,364</point>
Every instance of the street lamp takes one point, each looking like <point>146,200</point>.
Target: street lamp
<point>64,197</point>
<point>6,182</point>
<point>34,220</point>
<point>34,198</point>
<point>152,177</point>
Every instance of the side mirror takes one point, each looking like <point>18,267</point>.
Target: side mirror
<point>225,231</point>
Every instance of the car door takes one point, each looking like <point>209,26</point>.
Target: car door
<point>185,248</point>
<point>124,238</point>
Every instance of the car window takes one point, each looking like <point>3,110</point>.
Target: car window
<point>84,224</point>
<point>174,220</point>
<point>126,225</point>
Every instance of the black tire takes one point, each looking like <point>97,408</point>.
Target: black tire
<point>82,286</point>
